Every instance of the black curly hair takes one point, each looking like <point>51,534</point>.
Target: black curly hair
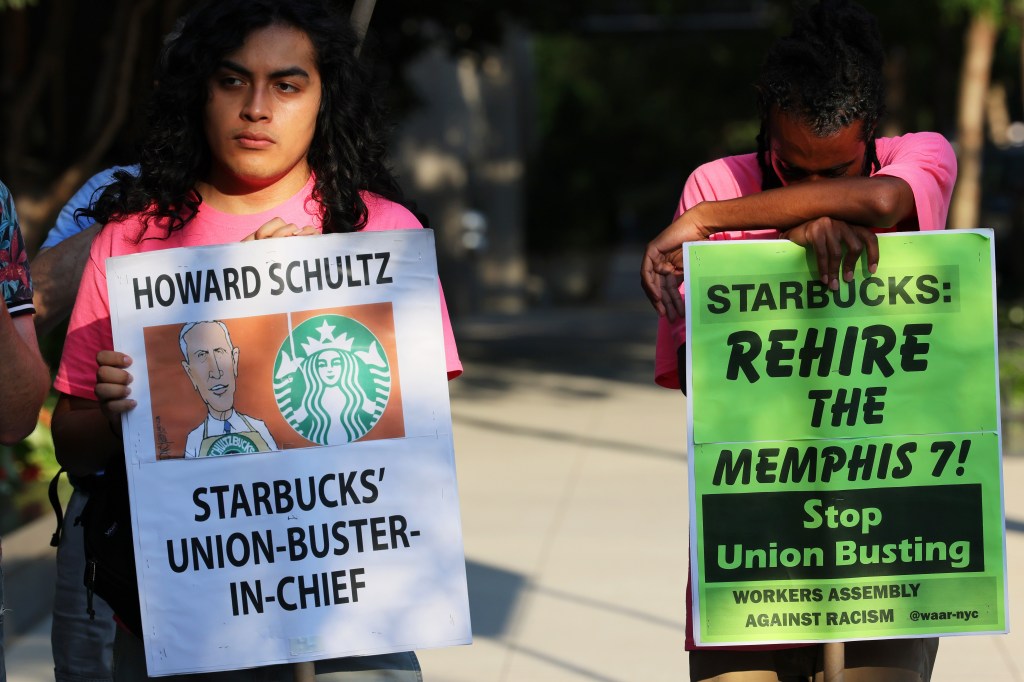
<point>348,151</point>
<point>828,74</point>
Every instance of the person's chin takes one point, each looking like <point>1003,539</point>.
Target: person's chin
<point>221,405</point>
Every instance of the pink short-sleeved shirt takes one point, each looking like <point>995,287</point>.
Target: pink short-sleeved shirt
<point>925,161</point>
<point>89,330</point>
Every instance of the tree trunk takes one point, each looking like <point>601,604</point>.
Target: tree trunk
<point>979,45</point>
<point>35,212</point>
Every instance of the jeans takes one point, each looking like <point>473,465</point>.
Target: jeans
<point>130,666</point>
<point>82,648</point>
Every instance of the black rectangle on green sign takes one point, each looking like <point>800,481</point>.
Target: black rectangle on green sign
<point>842,533</point>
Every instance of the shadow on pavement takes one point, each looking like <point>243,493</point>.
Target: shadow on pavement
<point>623,446</point>
<point>493,594</point>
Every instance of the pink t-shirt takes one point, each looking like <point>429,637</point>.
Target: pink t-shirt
<point>89,330</point>
<point>925,161</point>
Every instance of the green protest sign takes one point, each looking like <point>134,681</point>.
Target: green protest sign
<point>845,447</point>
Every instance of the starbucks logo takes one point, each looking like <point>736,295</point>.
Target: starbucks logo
<point>232,444</point>
<point>331,380</point>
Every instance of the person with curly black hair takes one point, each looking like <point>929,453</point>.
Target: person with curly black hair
<point>821,95</point>
<point>262,124</point>
<point>346,156</point>
<point>821,177</point>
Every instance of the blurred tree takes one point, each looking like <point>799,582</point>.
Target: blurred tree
<point>631,95</point>
<point>980,38</point>
<point>70,77</point>
<point>631,101</point>
<point>74,77</point>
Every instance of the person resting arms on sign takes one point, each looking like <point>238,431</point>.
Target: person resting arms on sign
<point>822,178</point>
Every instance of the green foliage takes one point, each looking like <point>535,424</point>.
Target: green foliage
<point>1011,354</point>
<point>25,472</point>
<point>623,118</point>
<point>625,115</point>
<point>954,9</point>
<point>17,4</point>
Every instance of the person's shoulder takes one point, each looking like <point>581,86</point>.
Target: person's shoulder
<point>891,149</point>
<point>107,176</point>
<point>725,178</point>
<point>385,214</point>
<point>739,163</point>
<point>124,235</point>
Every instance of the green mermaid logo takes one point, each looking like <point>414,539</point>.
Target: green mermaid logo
<point>331,380</point>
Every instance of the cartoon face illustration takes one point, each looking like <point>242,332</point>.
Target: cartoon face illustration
<point>211,363</point>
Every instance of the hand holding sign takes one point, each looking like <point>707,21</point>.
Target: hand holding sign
<point>661,271</point>
<point>819,464</point>
<point>276,227</point>
<point>836,243</point>
<point>112,380</point>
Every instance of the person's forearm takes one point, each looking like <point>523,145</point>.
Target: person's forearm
<point>879,201</point>
<point>82,437</point>
<point>56,273</point>
<point>23,376</point>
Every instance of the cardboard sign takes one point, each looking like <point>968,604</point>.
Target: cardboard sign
<point>845,445</point>
<point>291,467</point>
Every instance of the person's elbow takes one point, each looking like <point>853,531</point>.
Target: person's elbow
<point>891,202</point>
<point>81,437</point>
<point>16,432</point>
<point>68,452</point>
<point>21,409</point>
<point>20,424</point>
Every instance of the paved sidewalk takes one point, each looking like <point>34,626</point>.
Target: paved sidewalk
<point>573,486</point>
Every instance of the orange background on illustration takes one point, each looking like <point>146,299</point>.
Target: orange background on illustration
<point>177,407</point>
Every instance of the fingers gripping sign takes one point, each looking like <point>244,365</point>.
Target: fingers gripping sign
<point>661,287</point>
<point>277,227</point>
<point>112,386</point>
<point>661,271</point>
<point>837,245</point>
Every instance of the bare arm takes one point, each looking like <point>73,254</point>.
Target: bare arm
<point>879,201</point>
<point>23,376</point>
<point>846,204</point>
<point>56,273</point>
<point>86,433</point>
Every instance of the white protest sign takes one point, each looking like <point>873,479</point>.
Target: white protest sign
<point>290,460</point>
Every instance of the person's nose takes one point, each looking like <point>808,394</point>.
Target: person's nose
<point>215,369</point>
<point>257,106</point>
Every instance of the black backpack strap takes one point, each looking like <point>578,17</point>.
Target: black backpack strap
<point>57,511</point>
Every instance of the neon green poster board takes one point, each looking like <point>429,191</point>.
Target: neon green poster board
<point>844,446</point>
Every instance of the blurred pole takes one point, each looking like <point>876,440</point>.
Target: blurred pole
<point>835,661</point>
<point>305,672</point>
<point>362,10</point>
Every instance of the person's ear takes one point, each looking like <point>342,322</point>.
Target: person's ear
<point>234,359</point>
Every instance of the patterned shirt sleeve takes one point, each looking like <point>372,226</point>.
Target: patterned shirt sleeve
<point>14,276</point>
